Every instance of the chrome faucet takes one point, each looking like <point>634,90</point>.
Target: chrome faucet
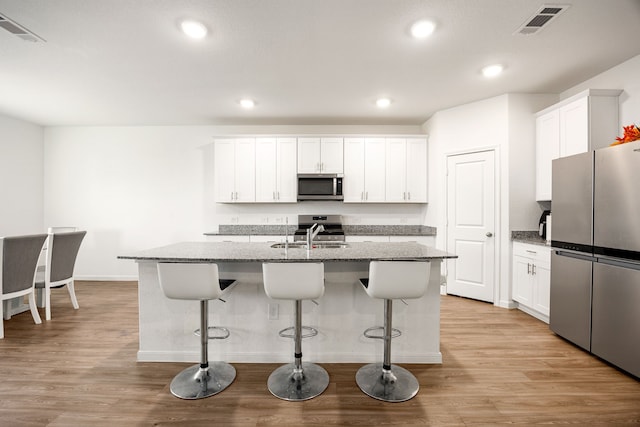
<point>312,232</point>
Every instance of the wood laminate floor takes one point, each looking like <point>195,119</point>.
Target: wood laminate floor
<point>500,367</point>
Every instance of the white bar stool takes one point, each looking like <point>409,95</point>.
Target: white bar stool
<point>296,281</point>
<point>391,280</point>
<point>191,281</point>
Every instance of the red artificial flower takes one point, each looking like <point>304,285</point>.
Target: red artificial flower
<point>631,133</point>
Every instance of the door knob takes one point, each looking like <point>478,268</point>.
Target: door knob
<point>489,234</point>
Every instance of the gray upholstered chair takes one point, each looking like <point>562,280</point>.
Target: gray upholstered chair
<point>18,264</point>
<point>389,280</point>
<point>62,251</point>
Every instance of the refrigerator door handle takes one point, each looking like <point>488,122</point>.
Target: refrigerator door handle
<point>575,255</point>
<point>617,262</point>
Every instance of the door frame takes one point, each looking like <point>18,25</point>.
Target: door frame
<point>497,233</point>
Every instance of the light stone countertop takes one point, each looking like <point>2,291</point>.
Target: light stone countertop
<point>349,230</point>
<point>261,252</point>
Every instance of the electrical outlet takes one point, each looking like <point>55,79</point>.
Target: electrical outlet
<point>273,311</point>
<point>265,219</point>
<point>234,220</point>
<point>279,220</point>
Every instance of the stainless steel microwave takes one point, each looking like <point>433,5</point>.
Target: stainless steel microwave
<point>320,187</point>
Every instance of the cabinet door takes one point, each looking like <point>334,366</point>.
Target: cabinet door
<point>224,164</point>
<point>416,170</point>
<point>396,173</point>
<point>353,185</point>
<point>547,149</point>
<point>287,182</point>
<point>245,170</point>
<point>331,155</point>
<point>542,287</point>
<point>266,170</point>
<point>308,155</point>
<point>574,127</point>
<point>522,282</point>
<point>374,170</point>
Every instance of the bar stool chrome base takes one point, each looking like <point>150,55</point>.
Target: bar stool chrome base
<point>395,385</point>
<point>289,383</point>
<point>196,382</point>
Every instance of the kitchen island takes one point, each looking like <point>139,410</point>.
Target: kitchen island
<point>342,314</point>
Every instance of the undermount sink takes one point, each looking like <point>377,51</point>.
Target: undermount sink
<point>316,245</point>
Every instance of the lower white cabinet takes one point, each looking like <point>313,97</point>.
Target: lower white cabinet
<point>532,279</point>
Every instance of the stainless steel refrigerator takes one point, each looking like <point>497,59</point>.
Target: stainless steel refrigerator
<point>595,263</point>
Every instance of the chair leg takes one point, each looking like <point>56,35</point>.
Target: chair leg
<point>204,379</point>
<point>34,308</point>
<point>384,381</point>
<point>298,381</point>
<point>47,303</point>
<point>72,293</point>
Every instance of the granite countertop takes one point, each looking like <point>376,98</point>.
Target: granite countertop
<point>349,230</point>
<point>261,252</point>
<point>531,237</point>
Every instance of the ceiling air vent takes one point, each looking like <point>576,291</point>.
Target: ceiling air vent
<point>18,30</point>
<point>542,18</point>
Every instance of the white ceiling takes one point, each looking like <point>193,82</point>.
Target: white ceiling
<point>125,62</point>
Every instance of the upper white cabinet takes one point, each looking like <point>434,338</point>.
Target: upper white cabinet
<point>275,178</point>
<point>234,161</point>
<point>364,170</point>
<point>584,122</point>
<point>320,155</point>
<point>406,170</point>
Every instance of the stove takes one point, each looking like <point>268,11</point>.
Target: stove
<point>332,228</point>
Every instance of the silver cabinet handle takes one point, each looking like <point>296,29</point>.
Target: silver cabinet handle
<point>278,193</point>
<point>362,195</point>
<point>489,234</point>
<point>366,195</point>
<point>408,195</point>
<point>528,268</point>
<point>533,269</point>
<point>232,195</point>
<point>404,196</point>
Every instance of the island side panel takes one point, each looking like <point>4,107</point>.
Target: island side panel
<point>345,310</point>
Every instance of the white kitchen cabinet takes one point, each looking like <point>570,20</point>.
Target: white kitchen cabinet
<point>584,122</point>
<point>364,170</point>
<point>276,170</point>
<point>532,279</point>
<point>406,170</point>
<point>320,155</point>
<point>547,149</point>
<point>235,170</point>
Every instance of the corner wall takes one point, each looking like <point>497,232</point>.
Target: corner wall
<point>21,177</point>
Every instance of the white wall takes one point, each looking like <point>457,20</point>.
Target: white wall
<point>134,188</point>
<point>506,124</point>
<point>625,76</point>
<point>21,177</point>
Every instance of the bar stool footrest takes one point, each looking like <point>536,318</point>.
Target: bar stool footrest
<point>284,333</point>
<point>368,332</point>
<point>219,333</point>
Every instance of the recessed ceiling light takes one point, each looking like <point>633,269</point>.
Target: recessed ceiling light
<point>193,29</point>
<point>383,102</point>
<point>422,29</point>
<point>492,70</point>
<point>247,103</point>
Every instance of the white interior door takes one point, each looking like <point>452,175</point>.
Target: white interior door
<point>471,225</point>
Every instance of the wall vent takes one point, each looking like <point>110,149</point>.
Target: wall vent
<point>18,30</point>
<point>542,18</point>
